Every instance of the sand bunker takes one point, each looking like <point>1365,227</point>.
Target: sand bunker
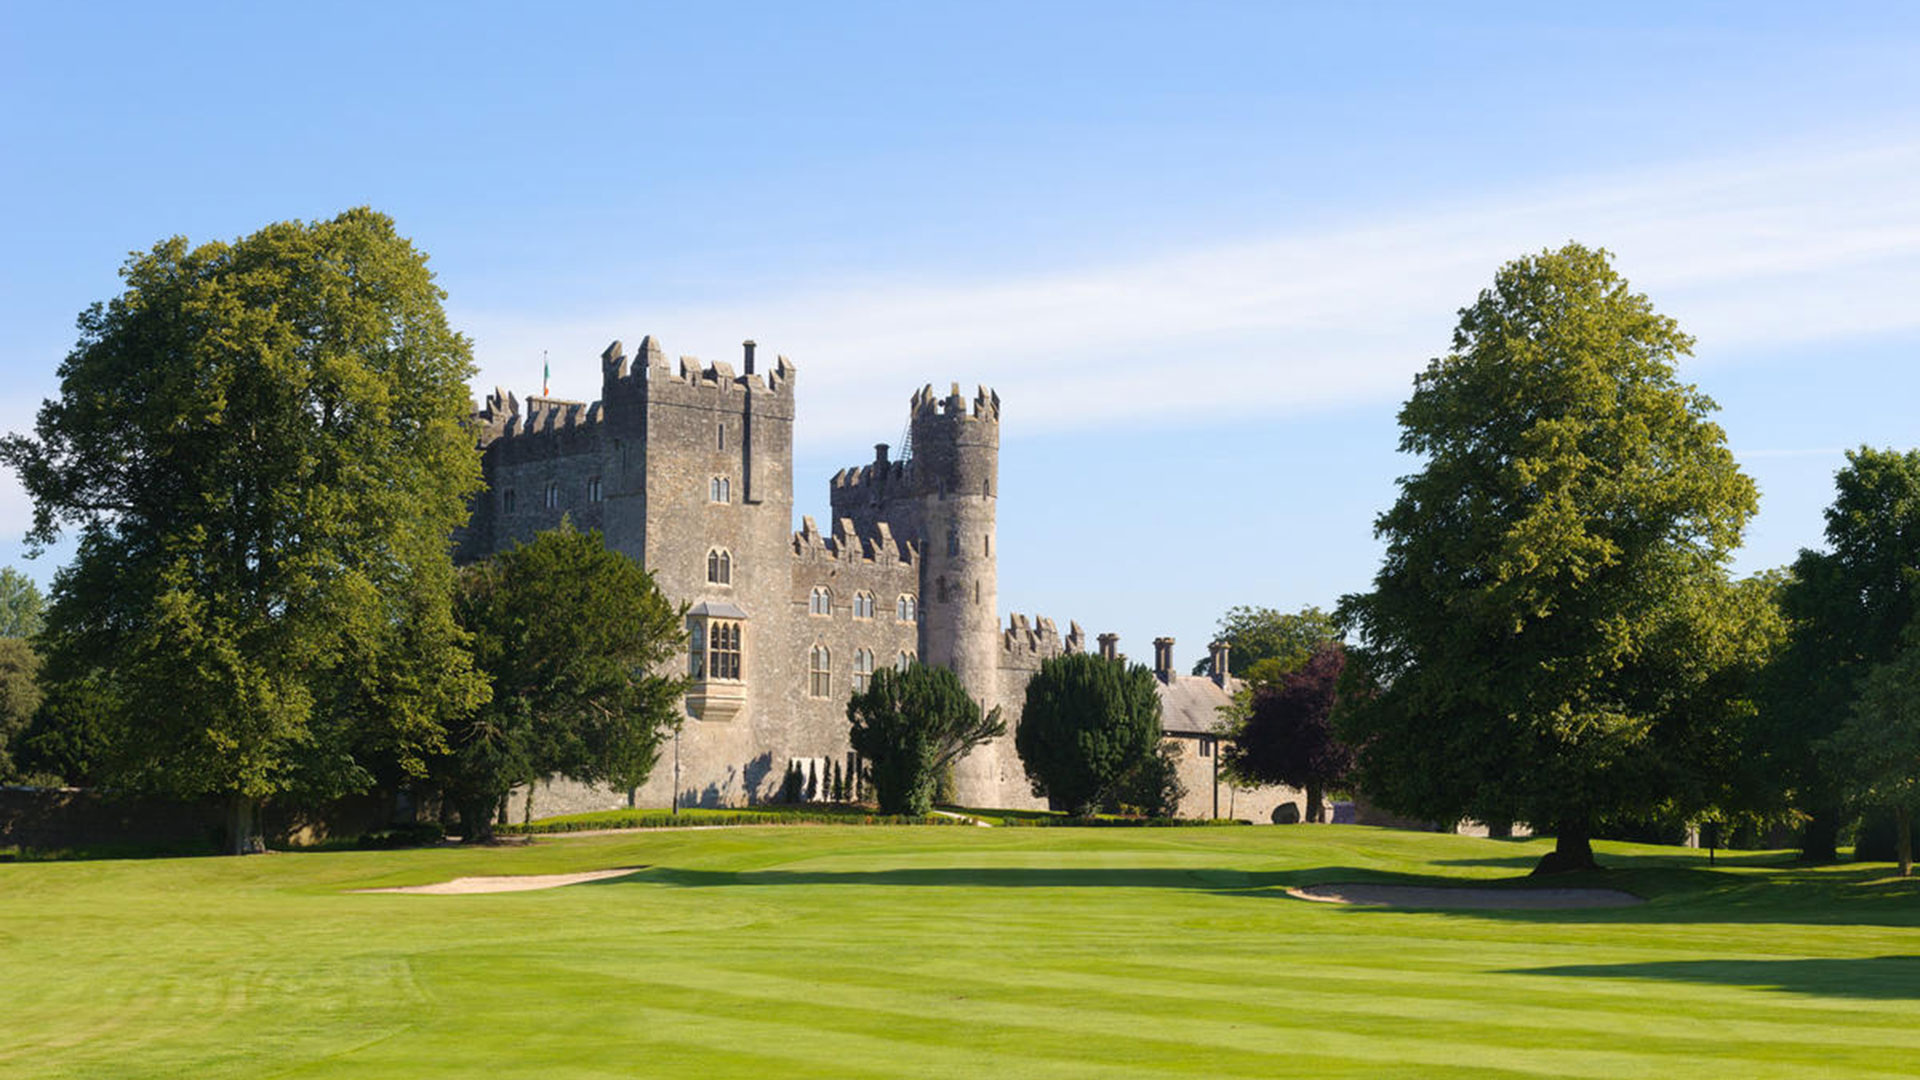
<point>1425,896</point>
<point>516,883</point>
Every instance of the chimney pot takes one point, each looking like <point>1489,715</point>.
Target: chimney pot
<point>747,345</point>
<point>1163,659</point>
<point>1109,644</point>
<point>1219,651</point>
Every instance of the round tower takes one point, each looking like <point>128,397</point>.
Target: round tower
<point>956,485</point>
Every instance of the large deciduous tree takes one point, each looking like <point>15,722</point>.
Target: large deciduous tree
<point>1266,644</point>
<point>570,636</point>
<point>1534,624</point>
<point>910,727</point>
<point>260,445</point>
<point>1846,609</point>
<point>1875,751</point>
<point>1288,735</point>
<point>1087,725</point>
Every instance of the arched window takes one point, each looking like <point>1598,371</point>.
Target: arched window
<point>904,661</point>
<point>862,668</point>
<point>719,567</point>
<point>820,601</point>
<point>819,671</point>
<point>907,609</point>
<point>594,494</point>
<point>723,650</point>
<point>719,490</point>
<point>863,605</point>
<point>507,501</point>
<point>553,497</point>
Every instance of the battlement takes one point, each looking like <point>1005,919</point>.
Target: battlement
<point>986,404</point>
<point>1025,643</point>
<point>881,474</point>
<point>500,417</point>
<point>848,544</point>
<point>1040,635</point>
<point>650,366</point>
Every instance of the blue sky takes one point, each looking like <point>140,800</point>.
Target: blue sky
<point>1200,250</point>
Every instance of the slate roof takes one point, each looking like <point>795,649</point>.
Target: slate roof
<point>1189,704</point>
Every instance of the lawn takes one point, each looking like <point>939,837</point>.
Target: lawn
<point>903,951</point>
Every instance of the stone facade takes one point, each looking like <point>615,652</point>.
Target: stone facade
<point>689,470</point>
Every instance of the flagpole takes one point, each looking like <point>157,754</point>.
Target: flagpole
<point>545,371</point>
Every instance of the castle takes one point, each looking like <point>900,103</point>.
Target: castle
<point>689,471</point>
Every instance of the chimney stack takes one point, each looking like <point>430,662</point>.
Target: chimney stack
<point>1218,651</point>
<point>748,346</point>
<point>879,453</point>
<point>1109,645</point>
<point>1163,659</point>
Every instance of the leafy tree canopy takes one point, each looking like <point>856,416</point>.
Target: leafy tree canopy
<point>911,726</point>
<point>1266,644</point>
<point>1846,608</point>
<point>1876,748</point>
<point>1536,627</point>
<point>1087,725</point>
<point>19,699</point>
<point>568,635</point>
<point>21,605</point>
<point>260,445</point>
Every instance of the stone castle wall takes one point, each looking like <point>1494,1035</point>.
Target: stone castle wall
<point>680,465</point>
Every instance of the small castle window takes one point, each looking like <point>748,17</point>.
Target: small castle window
<point>719,567</point>
<point>986,545</point>
<point>862,668</point>
<point>819,671</point>
<point>720,490</point>
<point>723,650</point>
<point>551,498</point>
<point>902,662</point>
<point>1206,747</point>
<point>953,542</point>
<point>863,605</point>
<point>820,601</point>
<point>720,437</point>
<point>507,501</point>
<point>907,609</point>
<point>696,649</point>
<point>593,490</point>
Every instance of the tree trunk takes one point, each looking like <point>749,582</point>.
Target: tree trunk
<point>1316,805</point>
<point>1572,850</point>
<point>1499,830</point>
<point>1820,840</point>
<point>1903,841</point>
<point>243,829</point>
<point>476,820</point>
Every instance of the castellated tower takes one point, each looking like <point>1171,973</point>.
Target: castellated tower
<point>955,482</point>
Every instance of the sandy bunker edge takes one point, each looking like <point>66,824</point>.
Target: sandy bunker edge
<point>1442,897</point>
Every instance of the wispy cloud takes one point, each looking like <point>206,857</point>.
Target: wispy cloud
<point>1802,244</point>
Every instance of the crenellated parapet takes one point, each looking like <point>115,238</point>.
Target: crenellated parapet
<point>986,404</point>
<point>549,426</point>
<point>691,382</point>
<point>850,544</point>
<point>1024,644</point>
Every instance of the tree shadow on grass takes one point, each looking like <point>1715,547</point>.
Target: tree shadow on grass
<point>1877,977</point>
<point>1676,895</point>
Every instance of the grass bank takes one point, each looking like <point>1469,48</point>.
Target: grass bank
<point>953,952</point>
